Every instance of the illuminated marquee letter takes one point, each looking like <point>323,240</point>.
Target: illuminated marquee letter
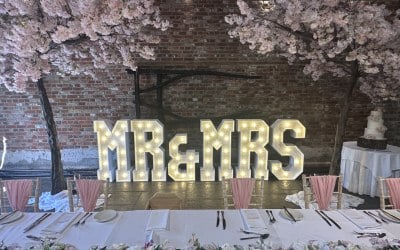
<point>213,138</point>
<point>140,129</point>
<point>190,158</point>
<point>115,139</point>
<point>296,157</point>
<point>249,143</point>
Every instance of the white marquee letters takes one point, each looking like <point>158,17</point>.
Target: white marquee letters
<point>248,145</point>
<point>213,138</point>
<point>141,128</point>
<point>115,139</point>
<point>148,136</point>
<point>295,167</point>
<point>190,158</point>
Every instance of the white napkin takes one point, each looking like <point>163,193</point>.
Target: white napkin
<point>359,219</point>
<point>158,220</point>
<point>61,223</point>
<point>252,219</point>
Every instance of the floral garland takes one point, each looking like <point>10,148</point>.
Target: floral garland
<point>194,244</point>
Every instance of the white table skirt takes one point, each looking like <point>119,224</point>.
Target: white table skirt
<point>129,228</point>
<point>362,167</point>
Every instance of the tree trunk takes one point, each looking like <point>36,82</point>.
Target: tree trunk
<point>57,174</point>
<point>341,126</point>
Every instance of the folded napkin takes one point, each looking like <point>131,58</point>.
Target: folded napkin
<point>158,220</point>
<point>61,223</point>
<point>252,219</point>
<point>361,220</point>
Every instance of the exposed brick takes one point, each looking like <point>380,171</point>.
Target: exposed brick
<point>197,40</point>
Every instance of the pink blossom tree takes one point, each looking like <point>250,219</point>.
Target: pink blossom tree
<point>73,37</point>
<point>352,39</point>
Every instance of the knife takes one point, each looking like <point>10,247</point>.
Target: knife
<point>325,219</point>
<point>290,215</point>
<point>332,220</point>
<point>37,222</point>
<point>223,220</point>
<point>217,218</point>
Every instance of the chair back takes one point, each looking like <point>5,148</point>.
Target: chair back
<point>15,194</point>
<point>329,186</point>
<point>236,190</point>
<point>85,193</point>
<point>389,189</point>
<point>163,200</point>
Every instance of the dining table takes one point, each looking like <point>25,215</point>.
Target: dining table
<point>176,228</point>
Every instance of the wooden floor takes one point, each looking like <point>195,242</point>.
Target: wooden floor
<point>201,195</point>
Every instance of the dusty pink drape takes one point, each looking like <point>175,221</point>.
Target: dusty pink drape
<point>323,187</point>
<point>242,189</point>
<point>89,191</point>
<point>393,185</point>
<point>18,192</point>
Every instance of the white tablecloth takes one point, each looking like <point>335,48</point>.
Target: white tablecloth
<point>362,167</point>
<point>129,228</point>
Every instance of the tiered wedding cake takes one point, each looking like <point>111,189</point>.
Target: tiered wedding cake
<point>374,132</point>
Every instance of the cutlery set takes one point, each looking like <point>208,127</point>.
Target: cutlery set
<point>83,219</point>
<point>364,235</point>
<point>327,219</point>
<point>271,216</point>
<point>223,219</point>
<point>259,235</point>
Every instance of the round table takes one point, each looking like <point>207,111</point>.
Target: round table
<point>361,167</point>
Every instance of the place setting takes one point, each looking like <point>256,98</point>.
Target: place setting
<point>389,215</point>
<point>293,215</point>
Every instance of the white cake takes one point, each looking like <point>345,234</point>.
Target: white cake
<point>375,129</point>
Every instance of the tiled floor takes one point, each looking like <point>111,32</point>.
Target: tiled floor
<point>200,195</point>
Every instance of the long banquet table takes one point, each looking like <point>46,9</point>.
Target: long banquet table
<point>129,227</point>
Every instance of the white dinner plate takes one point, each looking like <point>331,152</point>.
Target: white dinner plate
<point>296,214</point>
<point>388,217</point>
<point>105,215</point>
<point>14,217</point>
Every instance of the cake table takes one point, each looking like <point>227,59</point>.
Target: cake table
<point>362,167</point>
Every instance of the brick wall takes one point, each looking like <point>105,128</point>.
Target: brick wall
<point>197,40</point>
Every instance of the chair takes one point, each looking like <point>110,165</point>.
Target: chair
<point>389,193</point>
<point>85,193</point>
<point>15,194</point>
<point>251,190</point>
<point>310,193</point>
<point>162,200</point>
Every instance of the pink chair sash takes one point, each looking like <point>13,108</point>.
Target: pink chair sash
<point>323,187</point>
<point>242,188</point>
<point>393,185</point>
<point>18,192</point>
<point>89,191</point>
